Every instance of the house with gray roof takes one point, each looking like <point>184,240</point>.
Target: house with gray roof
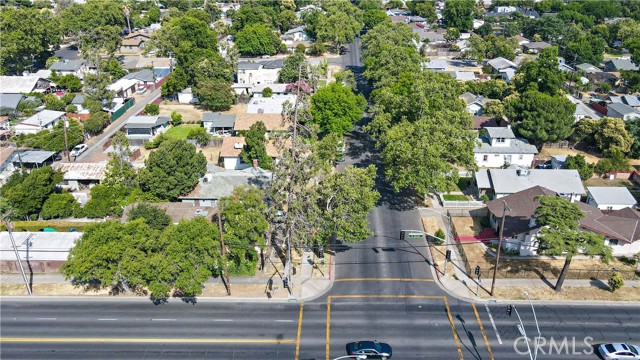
<point>23,84</point>
<point>218,124</point>
<point>620,64</point>
<point>498,146</point>
<point>631,100</point>
<point>497,183</point>
<point>620,228</point>
<point>140,129</point>
<point>621,111</point>
<point>10,101</point>
<point>499,64</point>
<point>610,197</point>
<point>475,104</point>
<point>583,110</point>
<point>44,120</point>
<point>77,67</point>
<point>436,65</point>
<point>254,73</point>
<point>299,34</point>
<point>535,47</point>
<point>588,68</point>
<point>30,159</point>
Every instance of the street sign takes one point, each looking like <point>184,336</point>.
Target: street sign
<point>415,235</point>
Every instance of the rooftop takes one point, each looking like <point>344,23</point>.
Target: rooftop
<point>67,65</point>
<point>500,132</point>
<point>621,108</point>
<point>588,68</point>
<point>612,195</point>
<point>32,156</point>
<point>273,122</point>
<point>10,101</point>
<point>145,121</point>
<point>500,63</point>
<point>19,84</point>
<point>622,64</point>
<point>509,181</point>
<point>480,122</point>
<point>82,171</point>
<point>270,105</point>
<point>43,118</point>
<point>219,120</point>
<point>42,246</point>
<point>221,182</point>
<point>229,148</point>
<point>521,205</point>
<point>146,75</point>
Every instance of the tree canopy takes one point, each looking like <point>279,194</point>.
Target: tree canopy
<point>458,14</point>
<point>255,147</point>
<point>542,75</point>
<point>335,108</point>
<point>26,192</point>
<point>155,217</point>
<point>256,40</point>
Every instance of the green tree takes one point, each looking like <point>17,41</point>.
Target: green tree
<point>119,170</point>
<point>616,281</point>
<point>340,24</point>
<point>60,206</point>
<point>173,169</point>
<point>200,135</point>
<point>585,48</point>
<point>106,201</point>
<point>54,140</point>
<point>70,82</point>
<point>614,160</point>
<point>176,118</point>
<point>215,94</point>
<point>335,108</point>
<point>579,163</point>
<point>26,193</point>
<point>52,102</point>
<point>633,127</point>
<point>494,108</point>
<point>256,40</point>
<point>152,109</point>
<point>561,236</point>
<point>612,134</point>
<point>177,82</point>
<point>491,46</point>
<point>543,74</point>
<point>267,92</point>
<point>155,217</point>
<point>96,122</point>
<point>373,17</point>
<point>452,34</point>
<point>317,49</point>
<point>255,147</point>
<point>425,155</point>
<point>182,36</point>
<point>425,9</point>
<point>541,118</point>
<point>345,199</point>
<point>245,226</point>
<point>458,14</point>
<point>294,65</point>
<point>286,20</point>
<point>114,68</point>
<point>26,35</point>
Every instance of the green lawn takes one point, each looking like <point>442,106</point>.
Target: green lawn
<point>322,83</point>
<point>455,197</point>
<point>180,131</point>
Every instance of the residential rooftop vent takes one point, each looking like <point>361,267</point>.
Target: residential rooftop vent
<point>523,172</point>
<point>238,145</point>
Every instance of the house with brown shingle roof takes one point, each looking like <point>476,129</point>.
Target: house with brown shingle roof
<point>231,150</point>
<point>621,228</point>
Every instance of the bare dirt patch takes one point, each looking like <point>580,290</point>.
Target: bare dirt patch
<point>236,109</point>
<point>567,293</point>
<point>547,153</point>
<point>191,114</point>
<point>430,224</point>
<point>438,253</point>
<point>467,225</point>
<point>541,268</point>
<point>210,152</point>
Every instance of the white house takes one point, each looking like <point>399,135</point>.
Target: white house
<point>497,183</point>
<point>299,34</point>
<point>499,64</point>
<point>45,119</point>
<point>475,104</point>
<point>265,72</point>
<point>124,87</point>
<point>583,110</point>
<point>72,67</point>
<point>269,105</point>
<point>23,84</point>
<point>622,111</point>
<point>610,198</point>
<point>620,228</point>
<point>144,128</point>
<point>499,146</point>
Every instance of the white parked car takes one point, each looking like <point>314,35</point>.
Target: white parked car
<point>619,351</point>
<point>79,149</point>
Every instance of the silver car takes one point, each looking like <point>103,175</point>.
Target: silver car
<point>619,351</point>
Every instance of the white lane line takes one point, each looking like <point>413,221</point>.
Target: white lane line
<point>493,324</point>
<point>107,319</point>
<point>46,318</point>
<point>163,319</point>
<point>286,321</point>
<point>222,320</point>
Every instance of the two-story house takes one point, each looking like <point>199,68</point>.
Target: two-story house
<point>265,72</point>
<point>299,34</point>
<point>499,146</point>
<point>72,67</point>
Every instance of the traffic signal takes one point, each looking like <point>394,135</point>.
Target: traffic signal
<point>401,234</point>
<point>448,255</point>
<point>477,272</point>
<point>509,309</point>
<point>285,282</point>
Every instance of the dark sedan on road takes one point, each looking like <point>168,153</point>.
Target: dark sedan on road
<point>372,349</point>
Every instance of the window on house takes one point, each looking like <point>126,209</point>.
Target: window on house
<point>520,157</point>
<point>609,208</point>
<point>613,242</point>
<point>485,157</point>
<point>500,140</point>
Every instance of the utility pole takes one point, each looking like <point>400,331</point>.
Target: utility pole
<point>66,142</point>
<point>15,250</point>
<point>224,254</point>
<point>495,269</point>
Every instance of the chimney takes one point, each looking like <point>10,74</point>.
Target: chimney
<point>255,163</point>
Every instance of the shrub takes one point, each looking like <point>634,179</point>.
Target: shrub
<point>152,109</point>
<point>440,234</point>
<point>616,281</point>
<point>267,92</point>
<point>317,48</point>
<point>71,109</point>
<point>59,206</point>
<point>153,216</point>
<point>200,135</point>
<point>176,118</point>
<point>300,48</point>
<point>485,198</point>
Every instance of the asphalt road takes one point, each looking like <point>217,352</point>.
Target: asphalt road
<point>384,290</point>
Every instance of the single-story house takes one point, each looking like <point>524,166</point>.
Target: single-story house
<point>23,84</point>
<point>124,88</point>
<point>132,45</point>
<point>610,197</point>
<point>81,175</point>
<point>588,68</point>
<point>45,251</point>
<point>535,46</point>
<point>138,35</point>
<point>463,75</point>
<point>77,67</point>
<point>583,110</point>
<point>507,74</point>
<point>29,159</point>
<point>499,146</point>
<point>632,100</point>
<point>141,62</point>
<point>186,96</point>
<point>436,65</point>
<point>217,123</point>
<point>45,119</point>
<point>264,72</point>
<point>145,127</point>
<point>499,64</point>
<point>270,105</point>
<point>620,64</point>
<point>219,182</point>
<point>299,34</point>
<point>497,183</point>
<point>620,228</point>
<point>475,104</point>
<point>622,111</point>
<point>522,40</point>
<point>558,161</point>
<point>231,149</point>
<point>10,101</point>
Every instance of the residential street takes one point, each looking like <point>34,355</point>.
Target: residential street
<point>384,289</point>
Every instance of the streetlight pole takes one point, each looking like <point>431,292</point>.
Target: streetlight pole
<point>495,269</point>
<point>15,250</point>
<point>535,318</point>
<point>224,254</point>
